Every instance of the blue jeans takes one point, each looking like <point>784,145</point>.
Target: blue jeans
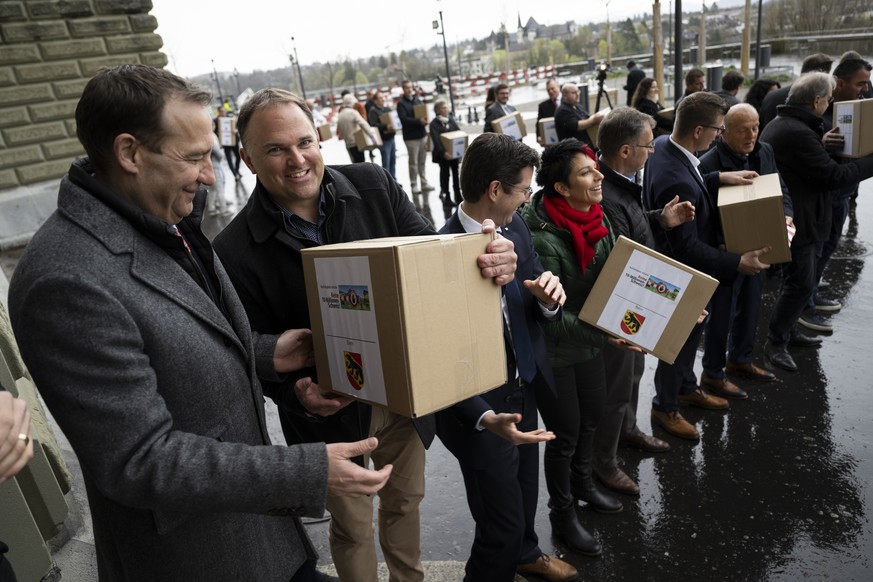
<point>388,149</point>
<point>798,283</point>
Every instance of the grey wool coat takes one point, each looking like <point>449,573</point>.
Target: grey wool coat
<point>156,390</point>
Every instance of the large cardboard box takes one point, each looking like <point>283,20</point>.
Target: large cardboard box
<point>367,140</point>
<point>226,131</point>
<point>668,113</point>
<point>753,216</point>
<point>855,120</point>
<point>455,143</point>
<point>407,322</point>
<point>647,299</point>
<point>547,130</point>
<point>324,132</point>
<point>511,125</point>
<point>392,120</point>
<point>420,111</point>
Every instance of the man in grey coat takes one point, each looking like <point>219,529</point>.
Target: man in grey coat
<point>144,355</point>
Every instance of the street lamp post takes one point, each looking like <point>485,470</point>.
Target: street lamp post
<point>217,84</point>
<point>299,72</point>
<point>236,78</point>
<point>442,32</point>
<point>758,43</point>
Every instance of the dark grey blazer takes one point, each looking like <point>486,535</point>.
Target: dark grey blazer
<point>156,390</point>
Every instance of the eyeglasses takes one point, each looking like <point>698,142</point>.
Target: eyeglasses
<point>719,130</point>
<point>648,146</point>
<point>528,192</point>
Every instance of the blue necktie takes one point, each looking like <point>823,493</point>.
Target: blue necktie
<point>524,357</point>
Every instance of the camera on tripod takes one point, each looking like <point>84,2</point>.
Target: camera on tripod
<point>602,69</point>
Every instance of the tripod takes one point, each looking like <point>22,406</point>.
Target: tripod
<point>601,92</point>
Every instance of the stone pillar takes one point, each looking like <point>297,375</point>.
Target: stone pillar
<point>48,51</point>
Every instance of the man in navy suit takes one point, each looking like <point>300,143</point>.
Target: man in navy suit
<point>499,108</point>
<point>673,170</point>
<point>494,436</point>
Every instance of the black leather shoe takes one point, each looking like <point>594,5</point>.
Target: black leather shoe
<point>567,529</point>
<point>799,340</point>
<point>779,357</point>
<point>599,502</point>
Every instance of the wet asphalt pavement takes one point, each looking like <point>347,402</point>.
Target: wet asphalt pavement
<point>778,489</point>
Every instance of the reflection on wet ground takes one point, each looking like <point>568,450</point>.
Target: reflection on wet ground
<point>779,487</point>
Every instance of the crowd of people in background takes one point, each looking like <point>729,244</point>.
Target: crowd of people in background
<point>174,324</point>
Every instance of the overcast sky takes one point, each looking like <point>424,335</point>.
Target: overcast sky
<point>256,34</point>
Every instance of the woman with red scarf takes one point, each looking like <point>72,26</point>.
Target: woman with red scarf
<point>573,238</point>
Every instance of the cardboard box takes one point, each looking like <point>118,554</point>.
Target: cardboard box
<point>511,125</point>
<point>392,120</point>
<point>406,322</point>
<point>647,299</point>
<point>226,131</point>
<point>367,140</point>
<point>455,143</point>
<point>420,112</point>
<point>668,113</point>
<point>753,217</point>
<point>324,132</point>
<point>855,120</point>
<point>546,127</point>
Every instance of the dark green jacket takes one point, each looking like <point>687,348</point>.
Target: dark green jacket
<point>569,341</point>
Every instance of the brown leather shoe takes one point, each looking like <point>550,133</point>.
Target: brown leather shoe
<point>701,399</point>
<point>647,443</point>
<point>673,423</point>
<point>750,371</point>
<point>549,568</point>
<point>616,479</point>
<point>723,387</point>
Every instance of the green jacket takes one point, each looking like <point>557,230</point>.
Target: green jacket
<point>570,340</point>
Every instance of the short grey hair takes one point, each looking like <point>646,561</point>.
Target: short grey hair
<point>622,126</point>
<point>809,86</point>
<point>439,103</point>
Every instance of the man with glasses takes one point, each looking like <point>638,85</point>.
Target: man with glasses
<point>811,175</point>
<point>735,308</point>
<point>673,170</point>
<point>626,142</point>
<point>499,108</point>
<point>500,464</point>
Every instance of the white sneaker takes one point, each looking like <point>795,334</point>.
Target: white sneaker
<point>416,190</point>
<point>426,188</point>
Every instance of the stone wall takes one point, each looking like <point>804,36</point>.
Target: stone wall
<point>48,51</point>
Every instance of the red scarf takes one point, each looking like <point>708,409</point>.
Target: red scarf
<point>586,227</point>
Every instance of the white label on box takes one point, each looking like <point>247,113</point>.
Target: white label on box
<point>550,134</point>
<point>843,116</point>
<point>510,127</point>
<point>225,131</point>
<point>459,144</point>
<point>644,300</point>
<point>348,311</point>
<point>395,120</point>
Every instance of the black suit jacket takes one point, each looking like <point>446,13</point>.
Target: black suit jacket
<point>668,173</point>
<point>545,109</point>
<point>496,111</point>
<point>528,267</point>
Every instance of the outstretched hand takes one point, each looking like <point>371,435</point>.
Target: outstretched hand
<point>345,477</point>
<point>547,289</point>
<point>504,426</point>
<point>676,213</point>
<point>317,402</point>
